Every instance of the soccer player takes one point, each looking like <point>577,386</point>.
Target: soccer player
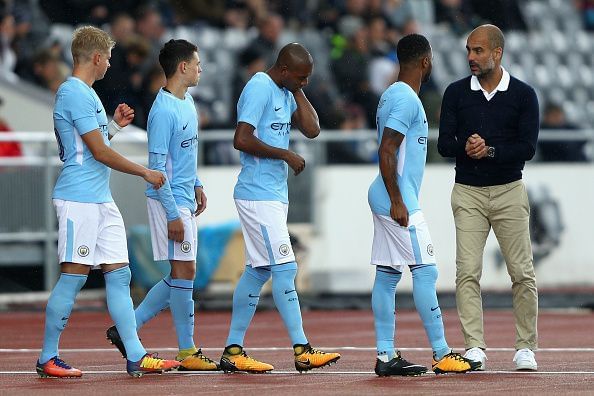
<point>90,227</point>
<point>172,209</point>
<point>400,236</point>
<point>270,103</point>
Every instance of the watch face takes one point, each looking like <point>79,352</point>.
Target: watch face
<point>491,152</point>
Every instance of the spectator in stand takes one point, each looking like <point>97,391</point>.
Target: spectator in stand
<point>7,34</point>
<point>48,70</point>
<point>505,14</point>
<point>8,149</point>
<point>270,29</point>
<point>351,67</point>
<point>560,150</point>
<point>587,9</point>
<point>457,15</point>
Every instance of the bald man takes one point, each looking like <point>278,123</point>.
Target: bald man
<point>489,123</point>
<point>269,105</point>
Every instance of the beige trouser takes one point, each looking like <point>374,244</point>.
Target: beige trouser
<point>505,208</point>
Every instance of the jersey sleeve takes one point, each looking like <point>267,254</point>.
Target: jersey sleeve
<point>252,102</point>
<point>293,104</point>
<point>83,110</point>
<point>160,128</point>
<point>402,113</point>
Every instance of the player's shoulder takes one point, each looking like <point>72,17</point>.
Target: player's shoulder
<point>260,80</point>
<point>399,92</point>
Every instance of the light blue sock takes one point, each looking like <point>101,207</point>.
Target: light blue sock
<point>425,296</point>
<point>181,304</point>
<point>245,301</point>
<point>383,303</point>
<point>58,311</point>
<point>287,301</point>
<point>121,310</point>
<point>156,300</point>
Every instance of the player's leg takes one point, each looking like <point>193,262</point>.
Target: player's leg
<point>74,244</point>
<point>246,294</point>
<point>275,244</point>
<point>388,259</point>
<point>510,219</point>
<point>112,251</point>
<point>470,209</point>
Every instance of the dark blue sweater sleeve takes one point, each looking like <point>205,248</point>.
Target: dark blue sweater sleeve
<point>528,126</point>
<point>447,141</point>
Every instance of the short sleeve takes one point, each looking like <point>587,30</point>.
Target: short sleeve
<point>402,113</point>
<point>160,129</point>
<point>252,102</point>
<point>293,104</point>
<point>83,110</point>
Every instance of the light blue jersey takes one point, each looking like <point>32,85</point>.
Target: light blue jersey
<point>268,108</point>
<point>173,132</point>
<point>78,110</point>
<point>401,109</point>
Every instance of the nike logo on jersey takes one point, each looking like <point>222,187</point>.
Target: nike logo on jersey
<point>424,121</point>
<point>289,291</point>
<point>186,126</point>
<point>99,111</point>
<point>252,296</point>
<point>277,108</point>
<point>433,309</point>
<point>64,317</point>
<point>191,315</point>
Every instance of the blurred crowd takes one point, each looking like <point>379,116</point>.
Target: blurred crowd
<point>360,37</point>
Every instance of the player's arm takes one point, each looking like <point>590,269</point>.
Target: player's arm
<point>106,155</point>
<point>391,141</point>
<point>244,140</point>
<point>200,197</point>
<point>175,226</point>
<point>305,116</point>
<point>122,117</point>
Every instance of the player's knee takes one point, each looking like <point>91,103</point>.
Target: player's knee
<point>425,274</point>
<point>262,274</point>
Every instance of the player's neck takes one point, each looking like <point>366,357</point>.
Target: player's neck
<point>413,80</point>
<point>274,76</point>
<point>176,88</point>
<point>84,74</point>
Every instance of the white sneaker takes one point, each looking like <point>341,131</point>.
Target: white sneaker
<point>477,355</point>
<point>524,360</point>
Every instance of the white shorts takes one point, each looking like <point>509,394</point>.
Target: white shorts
<point>90,233</point>
<point>265,232</point>
<point>396,246</point>
<point>168,249</point>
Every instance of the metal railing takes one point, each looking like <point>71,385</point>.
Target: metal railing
<point>26,213</point>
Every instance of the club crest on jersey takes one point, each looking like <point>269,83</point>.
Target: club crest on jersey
<point>284,249</point>
<point>430,250</point>
<point>185,246</point>
<point>83,251</point>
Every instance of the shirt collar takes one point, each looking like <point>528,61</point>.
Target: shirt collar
<point>475,85</point>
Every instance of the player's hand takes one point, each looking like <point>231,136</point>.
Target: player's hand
<point>475,147</point>
<point>156,178</point>
<point>123,115</point>
<point>295,161</point>
<point>175,230</point>
<point>399,213</point>
<point>200,200</point>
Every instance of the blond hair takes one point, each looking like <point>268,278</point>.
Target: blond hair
<point>87,40</point>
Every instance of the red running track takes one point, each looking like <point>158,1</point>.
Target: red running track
<point>566,358</point>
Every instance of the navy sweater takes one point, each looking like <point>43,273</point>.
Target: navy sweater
<point>509,122</point>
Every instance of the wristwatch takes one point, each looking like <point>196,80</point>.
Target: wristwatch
<point>491,152</point>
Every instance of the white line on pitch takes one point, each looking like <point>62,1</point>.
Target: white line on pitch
<point>341,348</point>
<point>366,373</point>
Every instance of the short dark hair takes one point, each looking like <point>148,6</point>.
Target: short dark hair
<point>412,47</point>
<point>174,52</point>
